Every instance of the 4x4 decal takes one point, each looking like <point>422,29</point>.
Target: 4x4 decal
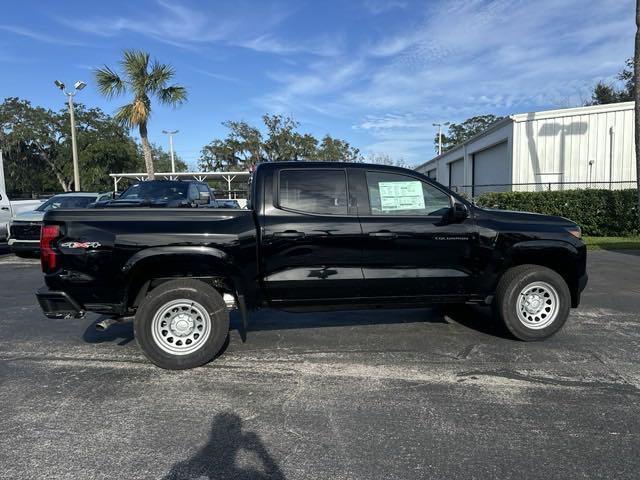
<point>84,245</point>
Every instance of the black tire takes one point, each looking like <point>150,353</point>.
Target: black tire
<point>507,302</point>
<point>192,291</point>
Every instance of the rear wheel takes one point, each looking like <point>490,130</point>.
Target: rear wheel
<point>532,301</point>
<point>182,324</point>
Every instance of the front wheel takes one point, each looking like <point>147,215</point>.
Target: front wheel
<point>532,301</point>
<point>182,324</point>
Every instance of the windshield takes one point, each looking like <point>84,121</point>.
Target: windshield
<point>65,201</point>
<point>156,191</point>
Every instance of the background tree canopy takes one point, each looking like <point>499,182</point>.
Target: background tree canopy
<point>245,146</point>
<point>610,93</point>
<point>36,144</point>
<point>458,133</point>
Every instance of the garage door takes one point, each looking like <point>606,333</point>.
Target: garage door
<point>490,167</point>
<point>456,174</point>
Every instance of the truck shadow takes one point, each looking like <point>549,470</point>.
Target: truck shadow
<point>230,453</point>
<point>478,318</point>
<point>475,318</point>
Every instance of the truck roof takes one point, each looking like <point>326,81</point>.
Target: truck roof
<point>331,164</point>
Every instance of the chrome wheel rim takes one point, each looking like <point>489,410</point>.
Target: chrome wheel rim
<point>538,305</point>
<point>181,327</point>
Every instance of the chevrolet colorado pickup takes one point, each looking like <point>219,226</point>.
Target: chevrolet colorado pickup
<point>315,236</point>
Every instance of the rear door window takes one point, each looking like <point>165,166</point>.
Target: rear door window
<point>318,191</point>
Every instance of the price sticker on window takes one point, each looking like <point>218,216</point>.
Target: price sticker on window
<point>401,196</point>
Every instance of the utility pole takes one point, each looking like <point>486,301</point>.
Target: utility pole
<point>439,125</point>
<point>171,133</point>
<point>74,147</point>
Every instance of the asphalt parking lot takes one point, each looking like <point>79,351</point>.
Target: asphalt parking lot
<point>395,394</point>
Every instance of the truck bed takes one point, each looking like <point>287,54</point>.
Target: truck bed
<point>104,248</point>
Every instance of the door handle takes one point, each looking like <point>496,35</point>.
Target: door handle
<point>288,234</point>
<point>384,235</point>
<point>4,208</point>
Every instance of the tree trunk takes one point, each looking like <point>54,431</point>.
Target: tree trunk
<point>146,149</point>
<point>636,97</point>
<point>64,183</point>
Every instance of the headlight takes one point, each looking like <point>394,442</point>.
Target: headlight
<point>575,231</point>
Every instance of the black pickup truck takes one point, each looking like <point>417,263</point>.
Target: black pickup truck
<point>315,236</point>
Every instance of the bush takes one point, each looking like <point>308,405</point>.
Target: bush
<point>598,212</point>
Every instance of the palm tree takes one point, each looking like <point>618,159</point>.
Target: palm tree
<point>143,81</point>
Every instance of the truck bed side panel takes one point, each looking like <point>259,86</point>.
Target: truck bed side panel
<point>97,244</point>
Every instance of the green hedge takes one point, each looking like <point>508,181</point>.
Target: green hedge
<point>598,212</point>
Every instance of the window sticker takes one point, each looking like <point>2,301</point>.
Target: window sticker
<point>401,196</point>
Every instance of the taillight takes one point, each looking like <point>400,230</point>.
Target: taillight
<point>48,257</point>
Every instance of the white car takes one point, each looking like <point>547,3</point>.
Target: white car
<point>24,228</point>
<point>8,209</point>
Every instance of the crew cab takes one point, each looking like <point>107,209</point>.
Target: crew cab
<point>317,236</point>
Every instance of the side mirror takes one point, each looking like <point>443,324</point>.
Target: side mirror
<point>116,195</point>
<point>459,211</point>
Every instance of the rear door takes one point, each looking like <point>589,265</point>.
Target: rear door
<point>411,249</point>
<point>311,248</point>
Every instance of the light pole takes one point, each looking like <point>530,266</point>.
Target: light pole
<point>74,147</point>
<point>171,133</point>
<point>439,125</point>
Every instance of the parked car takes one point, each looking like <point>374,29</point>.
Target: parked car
<point>227,203</point>
<point>10,208</point>
<point>24,227</point>
<point>315,236</point>
<point>163,194</point>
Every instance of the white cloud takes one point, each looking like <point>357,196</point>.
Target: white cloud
<point>38,36</point>
<point>178,25</point>
<point>376,7</point>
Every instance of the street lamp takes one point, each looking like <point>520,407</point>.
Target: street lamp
<point>171,133</point>
<point>440,125</point>
<point>74,147</point>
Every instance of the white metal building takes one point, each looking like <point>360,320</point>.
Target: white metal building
<point>555,149</point>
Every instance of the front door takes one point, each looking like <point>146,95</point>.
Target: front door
<point>310,242</point>
<point>411,246</point>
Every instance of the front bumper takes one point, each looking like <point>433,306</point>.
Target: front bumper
<point>582,282</point>
<point>576,292</point>
<point>56,304</point>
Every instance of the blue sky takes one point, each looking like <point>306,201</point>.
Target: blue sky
<point>376,73</point>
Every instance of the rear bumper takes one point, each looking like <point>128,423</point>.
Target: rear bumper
<point>24,246</point>
<point>56,304</point>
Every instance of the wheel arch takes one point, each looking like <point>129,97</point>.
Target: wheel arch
<point>151,267</point>
<point>559,256</point>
